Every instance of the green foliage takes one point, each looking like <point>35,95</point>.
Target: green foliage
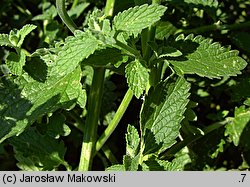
<point>132,140</point>
<point>62,92</point>
<point>235,129</point>
<point>137,77</point>
<point>137,18</point>
<point>162,114</point>
<point>41,151</point>
<point>15,62</point>
<point>205,58</point>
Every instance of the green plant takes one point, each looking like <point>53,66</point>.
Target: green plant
<point>61,88</point>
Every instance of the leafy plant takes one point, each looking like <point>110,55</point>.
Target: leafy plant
<point>60,98</point>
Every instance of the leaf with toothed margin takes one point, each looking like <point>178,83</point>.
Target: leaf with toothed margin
<point>202,57</point>
<point>132,141</point>
<point>24,100</point>
<point>137,77</point>
<point>162,114</point>
<point>4,40</point>
<point>74,51</point>
<point>135,19</point>
<point>16,37</point>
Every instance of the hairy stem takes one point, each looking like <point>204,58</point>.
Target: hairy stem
<point>113,124</point>
<point>90,130</point>
<point>60,5</point>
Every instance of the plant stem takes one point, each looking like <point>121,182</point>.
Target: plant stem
<point>93,108</point>
<point>109,8</point>
<point>60,5</point>
<point>90,130</point>
<point>113,124</point>
<point>147,36</point>
<point>79,125</point>
<point>110,156</point>
<point>74,4</point>
<point>213,27</point>
<point>129,49</point>
<point>190,139</point>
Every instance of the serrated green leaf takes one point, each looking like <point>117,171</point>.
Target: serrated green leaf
<point>132,141</point>
<point>15,62</point>
<point>14,37</point>
<point>24,100</point>
<point>41,152</point>
<point>204,58</point>
<point>162,114</point>
<point>137,77</point>
<point>117,167</point>
<point>235,129</point>
<point>23,32</point>
<point>4,40</point>
<point>136,19</point>
<point>74,51</point>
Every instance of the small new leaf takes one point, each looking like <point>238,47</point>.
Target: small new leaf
<point>16,37</point>
<point>137,77</point>
<point>132,141</point>
<point>137,18</point>
<point>4,40</point>
<point>23,32</point>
